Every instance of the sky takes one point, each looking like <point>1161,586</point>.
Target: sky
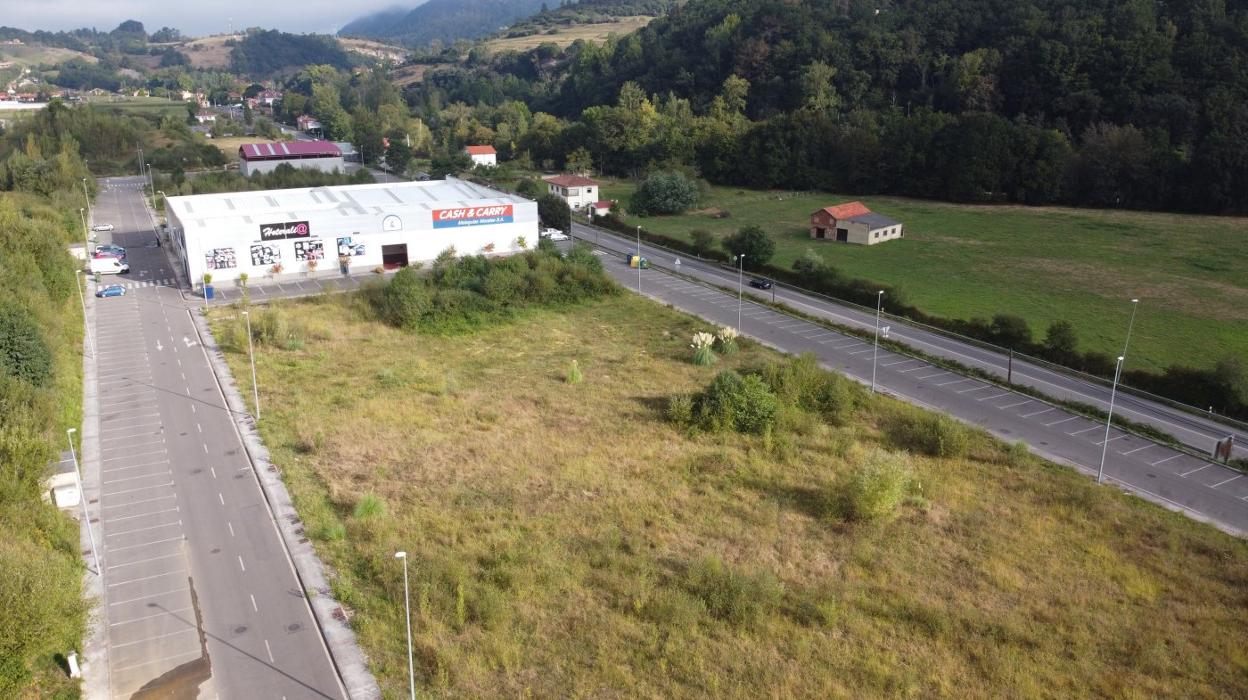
<point>193,17</point>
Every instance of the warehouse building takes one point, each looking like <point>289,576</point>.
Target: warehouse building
<point>265,157</point>
<point>853,222</point>
<point>290,233</point>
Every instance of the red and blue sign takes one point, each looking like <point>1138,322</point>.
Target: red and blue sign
<point>472,216</point>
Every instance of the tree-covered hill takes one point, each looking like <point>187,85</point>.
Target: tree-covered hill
<point>263,53</point>
<point>441,20</point>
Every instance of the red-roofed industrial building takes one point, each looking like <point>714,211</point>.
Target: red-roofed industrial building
<point>265,157</point>
<point>853,222</point>
<point>482,155</point>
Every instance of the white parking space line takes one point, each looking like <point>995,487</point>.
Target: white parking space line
<point>1059,422</point>
<point>862,352</point>
<point>1015,405</point>
<point>1197,469</point>
<point>994,396</point>
<point>135,466</point>
<point>142,488</point>
<point>148,617</point>
<point>147,578</point>
<point>1037,413</point>
<point>1131,452</point>
<point>150,595</point>
<point>135,503</point>
<point>930,376</point>
<point>135,478</point>
<point>1105,442</point>
<point>975,388</point>
<point>1227,481</point>
<point>145,544</point>
<point>1085,430</point>
<point>154,661</point>
<point>913,369</point>
<point>900,362</point>
<point>159,636</point>
<point>140,515</point>
<point>955,381</point>
<point>137,454</point>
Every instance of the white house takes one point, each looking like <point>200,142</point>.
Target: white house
<point>205,117</point>
<point>579,192</point>
<point>482,155</point>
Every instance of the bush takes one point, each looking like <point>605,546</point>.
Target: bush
<point>733,402</point>
<point>574,375</point>
<point>703,241</point>
<point>877,486</point>
<point>23,352</point>
<point>932,434</point>
<point>754,244</point>
<point>554,212</point>
<point>674,609</point>
<point>680,409</point>
<point>735,597</point>
<point>703,355</point>
<point>370,507</point>
<point>669,192</point>
<point>802,383</point>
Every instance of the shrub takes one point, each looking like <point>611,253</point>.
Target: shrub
<point>680,409</point>
<point>23,352</point>
<point>668,192</point>
<point>242,279</point>
<point>930,433</point>
<point>726,340</point>
<point>744,404</point>
<point>574,375</point>
<point>735,597</point>
<point>370,507</point>
<point>1017,453</point>
<point>754,244</point>
<point>877,486</point>
<point>802,383</point>
<point>703,241</point>
<point>673,608</point>
<point>703,355</point>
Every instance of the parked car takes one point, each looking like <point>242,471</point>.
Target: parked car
<point>108,266</point>
<point>116,250</point>
<point>112,290</point>
<point>102,252</point>
<point>553,234</point>
<point>760,283</point>
<point>102,227</point>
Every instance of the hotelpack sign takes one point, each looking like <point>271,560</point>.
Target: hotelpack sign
<point>290,229</point>
<point>472,216</point>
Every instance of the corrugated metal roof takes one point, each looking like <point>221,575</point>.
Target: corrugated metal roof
<point>847,210</point>
<point>289,149</point>
<point>874,221</point>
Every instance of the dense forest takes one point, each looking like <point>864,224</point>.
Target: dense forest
<point>444,21</point>
<point>264,53</point>
<point>586,12</point>
<point>1092,102</point>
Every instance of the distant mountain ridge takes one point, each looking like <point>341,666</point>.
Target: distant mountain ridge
<point>443,20</point>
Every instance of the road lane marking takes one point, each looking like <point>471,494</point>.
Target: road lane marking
<point>214,471</point>
<point>220,498</point>
<point>1059,422</point>
<point>193,408</point>
<point>270,651</point>
<point>147,578</point>
<point>240,563</point>
<point>1037,413</point>
<point>1197,469</point>
<point>1226,482</point>
<point>205,444</point>
<point>199,427</point>
<point>253,603</point>
<point>231,526</point>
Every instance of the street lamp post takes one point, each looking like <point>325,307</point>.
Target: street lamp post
<point>407,607</point>
<point>875,352</point>
<point>255,389</point>
<point>86,234</point>
<point>82,496</point>
<point>86,324</point>
<point>639,259</point>
<point>740,274</point>
<point>85,195</point>
<point>1135,306</point>
<point>1109,418</point>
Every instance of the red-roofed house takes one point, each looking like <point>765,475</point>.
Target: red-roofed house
<point>482,155</point>
<point>578,191</point>
<point>853,222</point>
<point>602,207</point>
<point>307,122</point>
<point>265,157</point>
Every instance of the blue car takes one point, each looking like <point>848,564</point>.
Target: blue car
<point>112,290</point>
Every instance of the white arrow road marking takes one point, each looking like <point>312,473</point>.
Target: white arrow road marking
<point>159,347</point>
<point>189,343</point>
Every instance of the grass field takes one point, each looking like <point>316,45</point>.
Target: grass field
<point>564,538</point>
<point>1044,264</point>
<point>141,105</point>
<point>210,52</point>
<point>34,55</point>
<point>565,36</point>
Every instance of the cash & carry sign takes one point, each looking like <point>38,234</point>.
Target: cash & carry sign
<point>472,216</point>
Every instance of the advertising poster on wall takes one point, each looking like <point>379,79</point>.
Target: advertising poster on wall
<point>220,259</point>
<point>472,216</point>
<point>265,255</point>
<point>309,250</point>
<point>347,247</point>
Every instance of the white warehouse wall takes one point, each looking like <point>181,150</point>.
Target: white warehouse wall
<point>250,167</point>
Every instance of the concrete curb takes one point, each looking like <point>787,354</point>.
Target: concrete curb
<point>95,662</point>
<point>350,662</point>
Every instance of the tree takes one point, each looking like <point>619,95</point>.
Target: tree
<point>554,212</point>
<point>753,243</point>
<point>449,163</point>
<point>23,352</point>
<point>1010,331</point>
<point>580,161</point>
<point>249,116</point>
<point>1061,345</point>
<point>668,192</point>
<point>703,241</point>
<point>398,155</point>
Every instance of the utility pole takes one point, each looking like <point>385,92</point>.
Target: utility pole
<point>83,497</point>
<point>86,323</point>
<point>638,258</point>
<point>407,607</point>
<point>255,390</point>
<point>740,293</point>
<point>1109,419</point>
<point>875,352</point>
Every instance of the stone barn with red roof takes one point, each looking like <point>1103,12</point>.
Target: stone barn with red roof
<point>853,222</point>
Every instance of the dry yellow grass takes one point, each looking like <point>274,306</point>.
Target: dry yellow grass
<point>551,527</point>
<point>209,52</point>
<point>566,36</point>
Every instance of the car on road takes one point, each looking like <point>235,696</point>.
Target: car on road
<point>102,227</point>
<point>110,251</point>
<point>108,266</point>
<point>553,234</point>
<point>760,283</point>
<point>112,290</point>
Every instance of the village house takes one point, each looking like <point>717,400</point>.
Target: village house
<point>853,222</point>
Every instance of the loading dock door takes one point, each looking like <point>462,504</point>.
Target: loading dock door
<point>842,235</point>
<point>394,256</point>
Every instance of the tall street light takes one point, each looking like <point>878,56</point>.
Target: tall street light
<point>86,234</point>
<point>82,496</point>
<point>875,352</point>
<point>82,298</point>
<point>1135,306</point>
<point>407,607</point>
<point>639,259</point>
<point>255,389</point>
<point>1109,417</point>
<point>740,274</point>
<point>85,195</point>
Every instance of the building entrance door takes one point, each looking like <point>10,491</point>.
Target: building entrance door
<point>394,256</point>
<point>842,235</point>
<point>821,232</point>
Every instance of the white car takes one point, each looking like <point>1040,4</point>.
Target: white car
<point>102,227</point>
<point>554,234</point>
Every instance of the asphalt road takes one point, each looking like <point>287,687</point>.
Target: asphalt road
<point>1201,489</point>
<point>200,598</point>
<point>1193,430</point>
